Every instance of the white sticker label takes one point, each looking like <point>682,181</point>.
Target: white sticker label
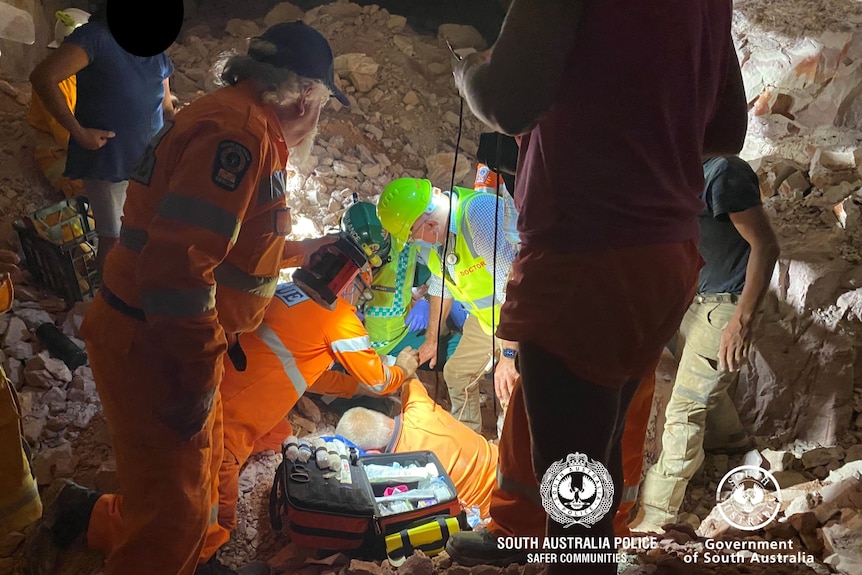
<point>290,294</point>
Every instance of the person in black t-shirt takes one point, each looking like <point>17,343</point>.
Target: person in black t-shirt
<point>739,249</point>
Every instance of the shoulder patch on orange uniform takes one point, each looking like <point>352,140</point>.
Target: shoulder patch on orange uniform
<point>482,173</point>
<point>231,163</point>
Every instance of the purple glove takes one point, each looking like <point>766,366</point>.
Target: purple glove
<point>458,314</point>
<point>417,319</point>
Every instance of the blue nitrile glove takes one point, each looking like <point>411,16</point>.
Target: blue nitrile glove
<point>458,314</point>
<point>417,319</point>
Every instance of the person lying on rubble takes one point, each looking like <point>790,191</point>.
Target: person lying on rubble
<point>290,353</point>
<point>397,314</point>
<point>480,250</point>
<point>207,207</point>
<point>468,458</point>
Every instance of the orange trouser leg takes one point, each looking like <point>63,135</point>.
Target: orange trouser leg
<point>228,486</point>
<point>274,439</point>
<point>227,490</point>
<point>634,437</point>
<point>215,536</point>
<point>256,402</point>
<point>516,507</point>
<point>159,524</point>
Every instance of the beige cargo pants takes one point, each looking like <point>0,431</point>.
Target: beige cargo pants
<point>700,389</point>
<point>464,369</point>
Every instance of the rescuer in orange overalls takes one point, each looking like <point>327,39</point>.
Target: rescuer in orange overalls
<point>468,458</point>
<point>20,504</point>
<point>288,354</point>
<point>206,208</point>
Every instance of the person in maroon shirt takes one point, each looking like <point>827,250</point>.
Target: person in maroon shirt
<point>616,103</point>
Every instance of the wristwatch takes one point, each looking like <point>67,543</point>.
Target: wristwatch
<point>510,353</point>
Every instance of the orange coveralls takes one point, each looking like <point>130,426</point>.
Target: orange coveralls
<point>52,140</point>
<point>20,504</point>
<point>206,205</point>
<point>468,458</point>
<point>288,354</point>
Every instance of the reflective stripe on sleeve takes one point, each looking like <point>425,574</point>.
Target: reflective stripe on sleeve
<point>361,343</point>
<point>380,387</point>
<point>288,362</point>
<point>133,238</point>
<point>200,213</point>
<point>228,275</point>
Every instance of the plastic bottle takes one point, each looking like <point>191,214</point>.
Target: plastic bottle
<point>61,346</point>
<point>343,455</point>
<point>291,447</point>
<point>334,459</point>
<point>320,453</point>
<point>304,450</point>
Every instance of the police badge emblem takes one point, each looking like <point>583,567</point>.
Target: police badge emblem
<point>577,491</point>
<point>231,162</point>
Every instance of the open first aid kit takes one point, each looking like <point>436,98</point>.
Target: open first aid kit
<point>371,506</point>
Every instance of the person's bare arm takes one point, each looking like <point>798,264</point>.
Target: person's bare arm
<point>505,374</point>
<point>753,225</point>
<point>725,133</point>
<point>67,60</point>
<point>428,349</point>
<point>519,81</point>
<point>168,110</point>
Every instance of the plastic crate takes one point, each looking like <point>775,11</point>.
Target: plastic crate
<point>64,221</point>
<point>58,244</point>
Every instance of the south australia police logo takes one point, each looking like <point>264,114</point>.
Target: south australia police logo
<point>577,491</point>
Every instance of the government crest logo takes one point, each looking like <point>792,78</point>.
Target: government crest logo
<point>748,497</point>
<point>577,491</point>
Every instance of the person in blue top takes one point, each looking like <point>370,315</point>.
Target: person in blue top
<point>123,102</point>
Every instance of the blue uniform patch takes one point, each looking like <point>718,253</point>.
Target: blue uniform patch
<point>231,163</point>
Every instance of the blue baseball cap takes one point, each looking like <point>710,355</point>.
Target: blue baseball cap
<point>300,49</point>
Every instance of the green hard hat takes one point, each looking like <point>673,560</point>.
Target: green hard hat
<point>401,204</point>
<point>361,224</point>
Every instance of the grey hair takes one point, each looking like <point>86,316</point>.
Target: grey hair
<point>280,86</point>
<point>366,428</point>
